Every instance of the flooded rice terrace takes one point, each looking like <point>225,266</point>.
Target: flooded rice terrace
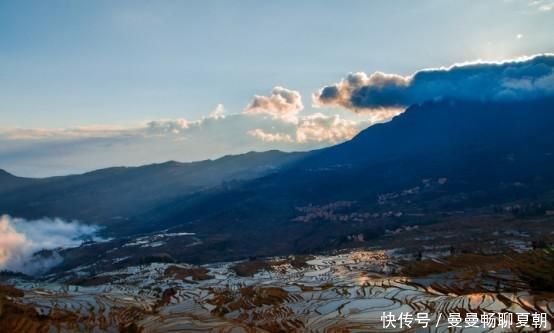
<point>357,291</point>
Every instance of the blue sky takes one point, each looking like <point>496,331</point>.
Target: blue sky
<point>68,64</point>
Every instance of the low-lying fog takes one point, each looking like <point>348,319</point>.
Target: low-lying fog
<point>21,240</point>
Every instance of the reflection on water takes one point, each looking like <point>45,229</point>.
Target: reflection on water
<point>340,293</point>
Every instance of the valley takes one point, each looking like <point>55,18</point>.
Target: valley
<point>412,270</point>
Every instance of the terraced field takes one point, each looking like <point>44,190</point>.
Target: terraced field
<point>346,292</point>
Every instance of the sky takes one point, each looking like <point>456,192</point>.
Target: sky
<point>92,84</point>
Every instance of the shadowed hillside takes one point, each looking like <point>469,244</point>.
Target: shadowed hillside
<point>113,195</point>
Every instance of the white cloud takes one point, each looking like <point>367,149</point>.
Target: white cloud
<point>61,133</point>
<point>267,122</point>
<point>321,128</point>
<point>542,5</point>
<point>166,126</point>
<point>315,128</point>
<point>47,152</point>
<point>282,103</point>
<point>21,239</point>
<point>218,112</point>
<point>270,137</point>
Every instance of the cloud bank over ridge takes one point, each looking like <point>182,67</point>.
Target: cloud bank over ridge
<point>278,120</point>
<point>519,79</point>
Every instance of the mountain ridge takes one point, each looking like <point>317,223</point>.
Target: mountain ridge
<point>436,159</point>
<point>99,195</point>
<point>480,166</point>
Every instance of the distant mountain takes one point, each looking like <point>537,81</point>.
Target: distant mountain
<point>9,182</point>
<point>436,158</point>
<point>448,127</point>
<point>113,195</point>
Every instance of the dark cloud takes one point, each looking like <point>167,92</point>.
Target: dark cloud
<point>520,79</point>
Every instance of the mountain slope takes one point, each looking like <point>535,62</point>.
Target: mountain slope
<point>9,182</point>
<point>113,195</point>
<point>434,159</point>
